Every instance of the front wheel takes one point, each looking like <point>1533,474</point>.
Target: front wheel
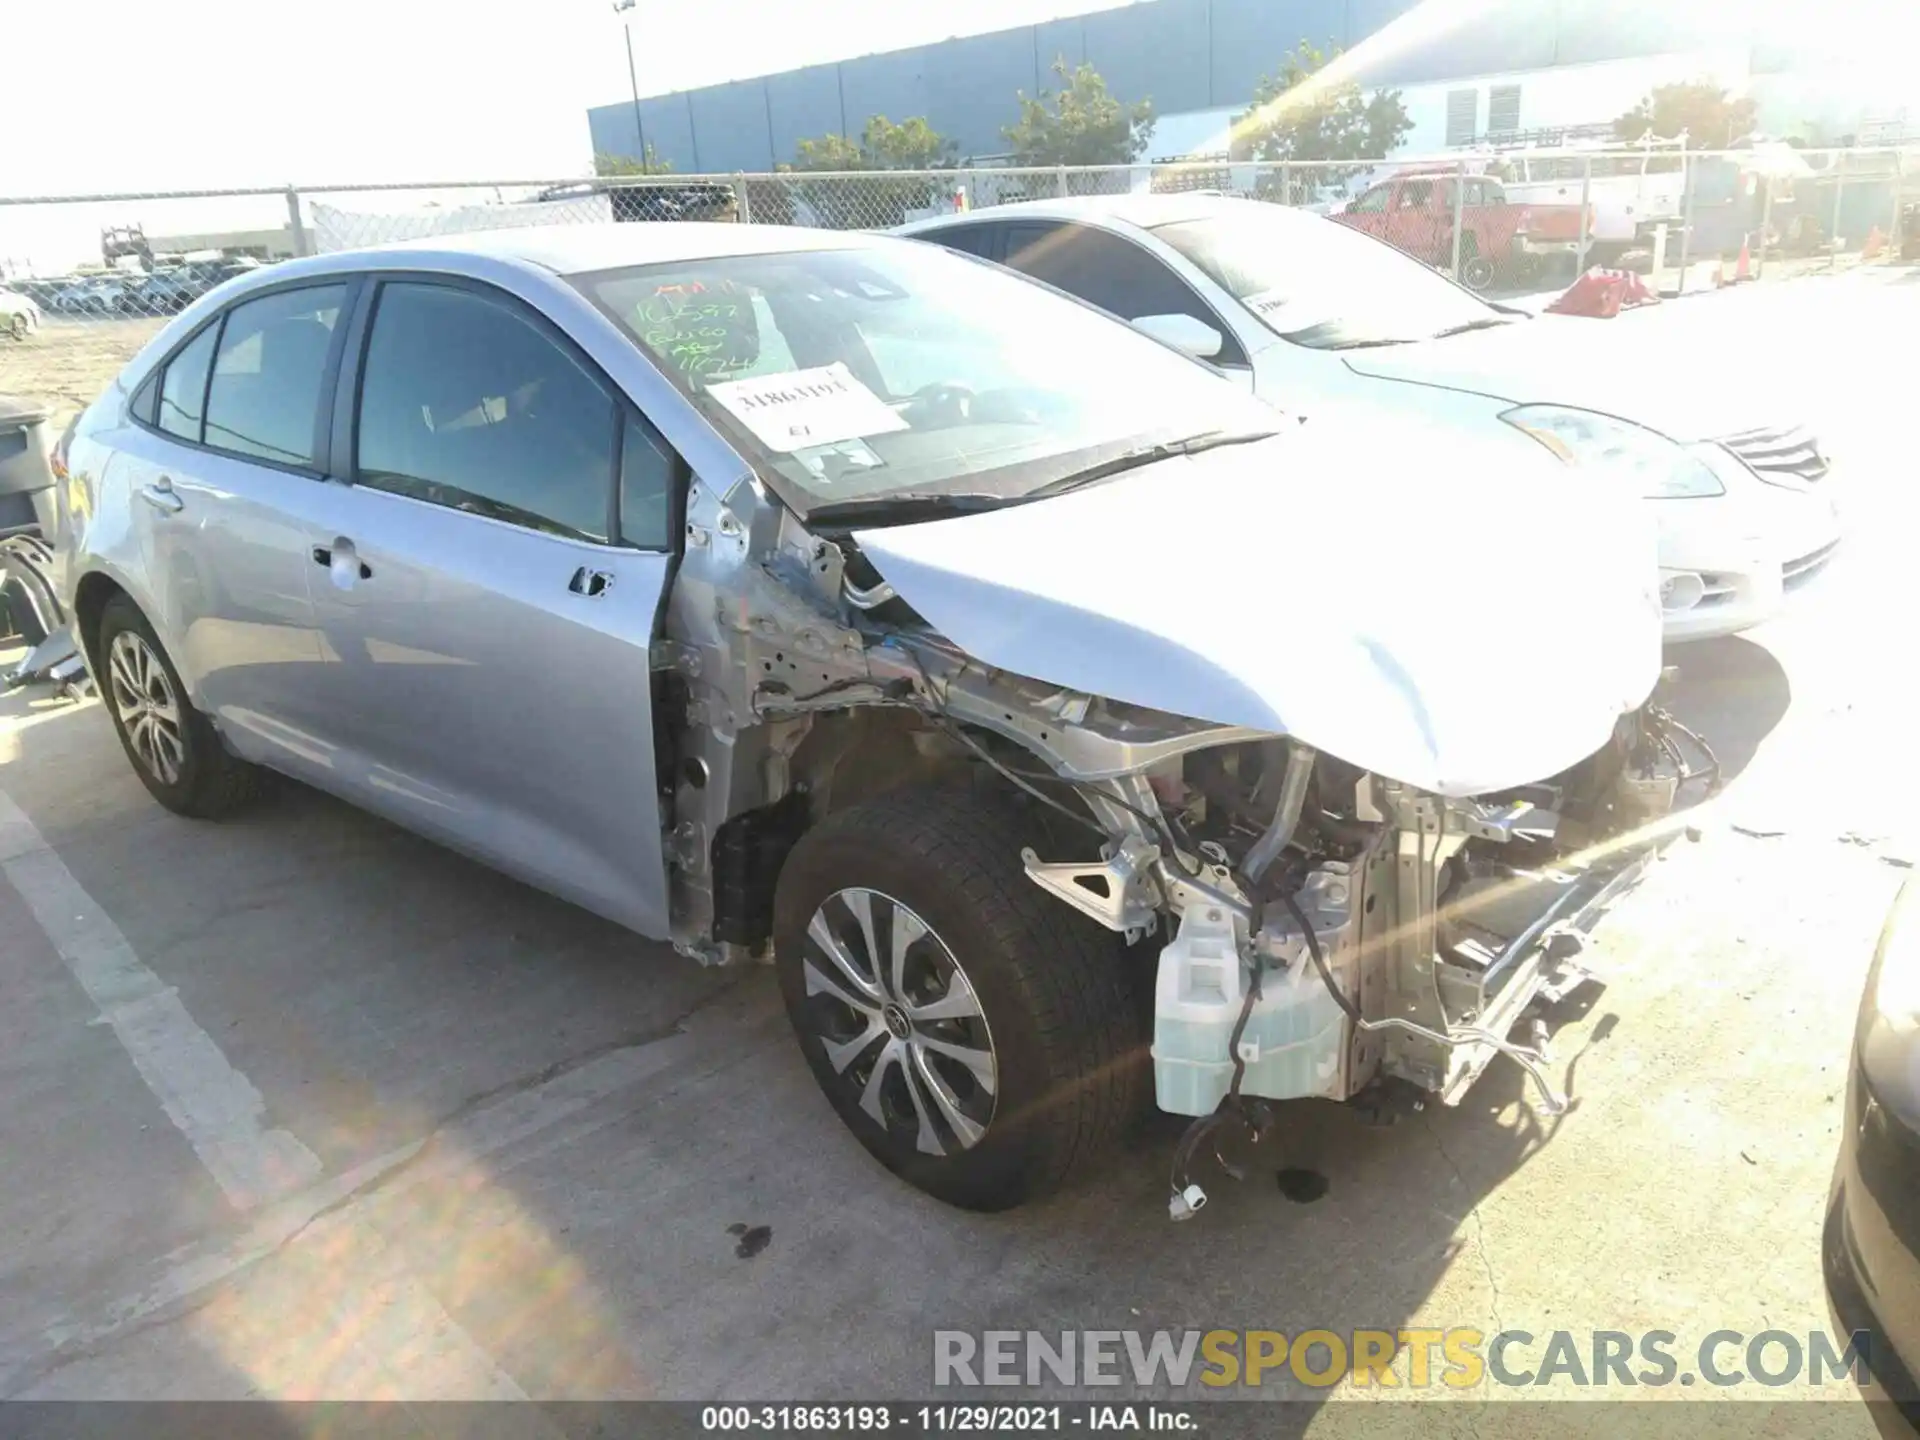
<point>977,1036</point>
<point>18,325</point>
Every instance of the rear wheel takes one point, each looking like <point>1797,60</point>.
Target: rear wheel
<point>977,1036</point>
<point>1476,270</point>
<point>172,746</point>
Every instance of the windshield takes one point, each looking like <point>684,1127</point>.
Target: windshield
<point>1320,283</point>
<point>899,369</point>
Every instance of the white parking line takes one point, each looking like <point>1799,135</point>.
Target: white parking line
<point>428,1353</point>
<point>214,1105</point>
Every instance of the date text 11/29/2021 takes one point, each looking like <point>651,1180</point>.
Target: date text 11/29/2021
<point>850,1419</point>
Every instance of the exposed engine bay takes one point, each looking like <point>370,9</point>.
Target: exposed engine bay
<point>1321,931</point>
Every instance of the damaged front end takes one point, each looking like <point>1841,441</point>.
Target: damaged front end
<point>1322,932</point>
<point>1327,933</point>
<point>1318,928</point>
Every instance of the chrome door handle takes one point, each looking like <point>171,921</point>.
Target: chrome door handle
<point>591,583</point>
<point>160,495</point>
<point>342,561</point>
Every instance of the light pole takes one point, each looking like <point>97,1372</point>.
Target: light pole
<point>622,7</point>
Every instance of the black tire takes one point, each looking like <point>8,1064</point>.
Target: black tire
<point>1053,991</point>
<point>17,326</point>
<point>208,781</point>
<point>1476,270</point>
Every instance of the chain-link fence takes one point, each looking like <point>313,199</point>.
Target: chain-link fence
<point>84,280</point>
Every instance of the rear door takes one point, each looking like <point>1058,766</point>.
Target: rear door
<point>1370,211</point>
<point>488,584</point>
<point>225,455</point>
<point>1416,222</point>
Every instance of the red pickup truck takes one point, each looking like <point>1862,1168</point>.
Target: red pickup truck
<point>1498,239</point>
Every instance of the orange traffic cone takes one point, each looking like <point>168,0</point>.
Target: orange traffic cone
<point>1744,270</point>
<point>1876,243</point>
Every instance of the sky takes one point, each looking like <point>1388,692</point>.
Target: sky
<point>195,93</point>
<point>229,93</point>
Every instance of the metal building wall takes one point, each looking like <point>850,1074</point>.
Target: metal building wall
<point>1182,54</point>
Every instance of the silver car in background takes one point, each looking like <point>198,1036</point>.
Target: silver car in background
<point>835,600</point>
<point>19,316</point>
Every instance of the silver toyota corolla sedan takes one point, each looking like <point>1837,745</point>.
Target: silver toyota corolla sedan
<point>1061,732</point>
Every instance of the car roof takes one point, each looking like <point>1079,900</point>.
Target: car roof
<point>573,249</point>
<point>1144,211</point>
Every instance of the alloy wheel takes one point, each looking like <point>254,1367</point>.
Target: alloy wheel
<point>899,1021</point>
<point>149,711</point>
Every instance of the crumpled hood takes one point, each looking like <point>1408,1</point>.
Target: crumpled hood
<point>1462,631</point>
<point>1614,366</point>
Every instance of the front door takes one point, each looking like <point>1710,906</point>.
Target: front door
<point>487,590</point>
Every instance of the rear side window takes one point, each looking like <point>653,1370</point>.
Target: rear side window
<point>183,389</point>
<point>264,398</point>
<point>466,404</point>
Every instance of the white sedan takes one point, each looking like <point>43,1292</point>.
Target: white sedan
<point>1321,319</point>
<point>19,316</point>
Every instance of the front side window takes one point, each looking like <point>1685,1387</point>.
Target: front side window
<point>904,370</point>
<point>465,403</point>
<point>1319,283</point>
<point>1114,273</point>
<point>981,240</point>
<point>264,398</point>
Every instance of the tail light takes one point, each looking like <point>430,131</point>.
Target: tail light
<point>59,459</point>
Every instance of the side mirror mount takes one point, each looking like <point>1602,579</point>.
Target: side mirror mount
<point>1184,333</point>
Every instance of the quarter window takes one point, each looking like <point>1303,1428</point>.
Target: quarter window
<point>464,403</point>
<point>648,472</point>
<point>264,398</point>
<point>183,390</point>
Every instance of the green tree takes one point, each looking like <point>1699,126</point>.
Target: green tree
<point>881,146</point>
<point>1297,115</point>
<point>1079,124</point>
<point>1711,118</point>
<point>606,165</point>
